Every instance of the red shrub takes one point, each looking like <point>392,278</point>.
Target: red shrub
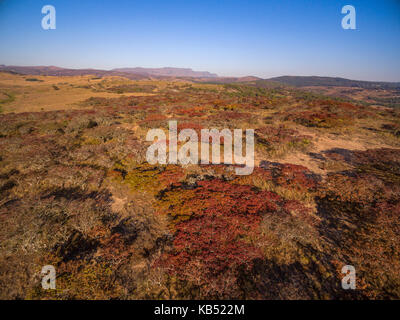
<point>190,125</point>
<point>291,175</point>
<point>155,117</point>
<point>216,239</point>
<point>190,112</point>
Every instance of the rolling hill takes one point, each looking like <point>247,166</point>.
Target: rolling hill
<point>312,81</point>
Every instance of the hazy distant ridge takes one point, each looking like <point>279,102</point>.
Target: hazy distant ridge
<point>168,72</point>
<point>143,73</point>
<point>131,73</point>
<point>312,81</point>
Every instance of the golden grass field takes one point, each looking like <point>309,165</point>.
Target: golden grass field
<point>34,96</point>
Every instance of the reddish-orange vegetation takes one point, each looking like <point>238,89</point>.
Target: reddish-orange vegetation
<point>230,115</point>
<point>213,231</point>
<point>190,112</point>
<point>190,125</point>
<point>291,175</point>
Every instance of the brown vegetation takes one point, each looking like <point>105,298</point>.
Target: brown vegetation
<point>77,193</point>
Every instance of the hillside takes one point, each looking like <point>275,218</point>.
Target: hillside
<point>385,94</point>
<point>77,193</point>
<point>299,81</point>
<point>168,72</point>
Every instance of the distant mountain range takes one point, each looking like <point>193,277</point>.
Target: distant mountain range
<point>203,76</point>
<point>168,72</point>
<point>131,73</point>
<point>56,71</point>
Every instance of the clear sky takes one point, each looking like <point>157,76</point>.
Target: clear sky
<point>264,38</point>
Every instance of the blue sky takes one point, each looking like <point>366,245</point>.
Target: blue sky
<point>228,37</point>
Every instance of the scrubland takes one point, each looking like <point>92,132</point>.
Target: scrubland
<point>77,193</point>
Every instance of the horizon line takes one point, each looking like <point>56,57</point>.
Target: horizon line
<point>190,68</point>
